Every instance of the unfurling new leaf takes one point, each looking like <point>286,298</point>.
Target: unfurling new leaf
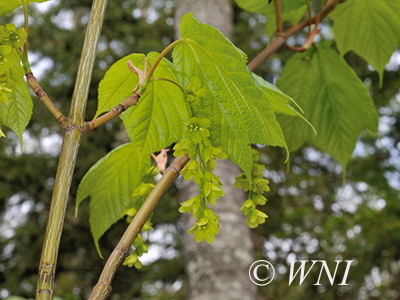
<point>160,117</point>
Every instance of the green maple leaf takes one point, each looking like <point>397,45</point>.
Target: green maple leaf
<point>371,28</point>
<point>8,6</point>
<point>292,11</point>
<point>110,184</point>
<point>17,111</point>
<point>239,110</point>
<point>118,83</point>
<point>160,117</point>
<point>333,98</point>
<point>280,102</point>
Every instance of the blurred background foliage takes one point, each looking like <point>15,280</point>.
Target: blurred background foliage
<point>312,213</point>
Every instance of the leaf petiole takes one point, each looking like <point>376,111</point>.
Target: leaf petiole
<point>160,57</point>
<point>178,85</point>
<point>169,80</point>
<point>20,56</point>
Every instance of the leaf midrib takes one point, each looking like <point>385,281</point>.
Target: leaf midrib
<point>221,70</point>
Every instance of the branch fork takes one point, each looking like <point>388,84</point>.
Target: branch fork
<point>88,126</point>
<point>281,39</point>
<point>310,38</point>
<point>120,108</point>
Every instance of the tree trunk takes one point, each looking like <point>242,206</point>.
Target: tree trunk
<point>218,13</point>
<point>219,270</point>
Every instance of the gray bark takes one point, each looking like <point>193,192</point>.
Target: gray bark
<point>219,270</point>
<point>218,13</point>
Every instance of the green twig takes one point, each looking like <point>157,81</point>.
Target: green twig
<point>69,151</point>
<point>103,286</point>
<point>115,112</point>
<point>171,81</point>
<point>132,100</point>
<point>278,16</point>
<point>42,95</point>
<point>160,57</point>
<point>281,39</point>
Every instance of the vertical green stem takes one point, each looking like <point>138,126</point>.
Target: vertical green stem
<point>309,18</point>
<point>56,217</point>
<point>85,71</point>
<point>69,151</point>
<point>25,48</point>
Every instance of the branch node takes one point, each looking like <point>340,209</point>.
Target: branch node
<point>47,266</point>
<point>40,92</point>
<point>119,109</point>
<point>82,129</point>
<point>28,75</point>
<point>281,34</point>
<point>86,127</point>
<point>70,127</point>
<point>124,250</point>
<point>64,121</point>
<point>50,292</point>
<point>296,49</point>
<point>174,169</point>
<point>108,286</point>
<point>46,276</point>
